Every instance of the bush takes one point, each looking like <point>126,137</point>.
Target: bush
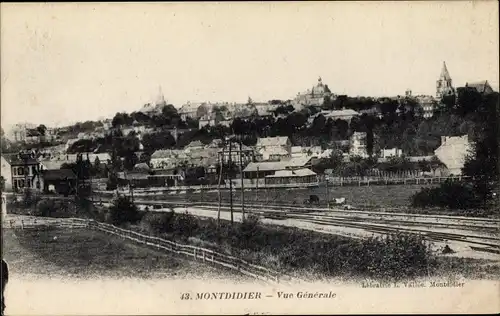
<point>184,225</point>
<point>450,195</point>
<point>30,198</point>
<point>122,211</point>
<point>248,229</point>
<point>45,208</point>
<point>395,256</point>
<point>157,223</point>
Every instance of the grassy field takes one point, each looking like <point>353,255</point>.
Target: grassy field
<point>81,253</point>
<point>373,196</point>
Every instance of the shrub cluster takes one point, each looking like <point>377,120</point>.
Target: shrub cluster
<point>181,225</point>
<point>450,195</point>
<point>395,256</point>
<point>123,211</point>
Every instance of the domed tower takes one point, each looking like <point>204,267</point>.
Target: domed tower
<point>444,85</point>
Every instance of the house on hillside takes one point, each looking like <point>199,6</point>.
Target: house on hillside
<point>166,158</point>
<point>344,114</point>
<point>273,154</point>
<point>357,145</point>
<point>265,109</point>
<point>301,151</point>
<point>482,87</point>
<point>452,152</point>
<point>195,145</point>
<point>26,173</point>
<point>274,142</point>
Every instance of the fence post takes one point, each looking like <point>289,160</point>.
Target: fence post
<point>22,224</point>
<point>194,253</point>
<point>203,256</point>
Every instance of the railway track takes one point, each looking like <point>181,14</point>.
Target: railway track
<point>431,227</point>
<point>433,219</point>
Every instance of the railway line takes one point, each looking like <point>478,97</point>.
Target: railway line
<point>480,234</point>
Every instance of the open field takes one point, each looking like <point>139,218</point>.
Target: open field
<point>81,253</point>
<point>370,196</point>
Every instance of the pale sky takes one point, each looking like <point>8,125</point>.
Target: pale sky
<point>62,63</point>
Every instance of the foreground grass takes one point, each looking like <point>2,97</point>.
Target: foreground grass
<point>87,254</point>
<point>310,254</point>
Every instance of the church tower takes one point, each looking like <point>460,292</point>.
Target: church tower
<point>160,99</point>
<point>444,85</point>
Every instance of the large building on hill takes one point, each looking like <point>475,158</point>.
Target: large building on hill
<point>482,87</point>
<point>195,110</point>
<point>315,96</point>
<point>156,105</point>
<point>444,85</point>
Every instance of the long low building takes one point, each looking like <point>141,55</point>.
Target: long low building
<point>262,169</point>
<point>299,176</point>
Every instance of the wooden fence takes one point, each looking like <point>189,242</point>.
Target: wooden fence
<point>34,223</point>
<point>197,253</point>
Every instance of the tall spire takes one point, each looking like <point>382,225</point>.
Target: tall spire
<point>160,99</point>
<point>444,72</point>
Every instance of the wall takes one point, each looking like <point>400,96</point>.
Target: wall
<point>6,173</point>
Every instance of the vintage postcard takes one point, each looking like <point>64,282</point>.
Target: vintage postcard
<point>250,158</point>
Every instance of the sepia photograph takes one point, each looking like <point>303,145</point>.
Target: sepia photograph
<point>250,158</point>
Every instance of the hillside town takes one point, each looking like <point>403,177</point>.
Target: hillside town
<point>165,157</point>
<point>296,143</point>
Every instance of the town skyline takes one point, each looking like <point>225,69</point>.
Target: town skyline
<point>100,69</point>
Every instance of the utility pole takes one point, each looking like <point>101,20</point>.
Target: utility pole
<point>257,187</point>
<point>25,157</point>
<point>327,193</point>
<point>242,186</point>
<point>230,183</point>
<point>221,166</point>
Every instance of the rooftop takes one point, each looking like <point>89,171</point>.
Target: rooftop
<point>58,174</point>
<point>292,173</point>
<point>272,141</point>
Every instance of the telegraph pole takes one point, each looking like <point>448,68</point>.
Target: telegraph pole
<point>257,186</point>
<point>230,183</point>
<point>25,157</point>
<point>327,193</point>
<point>242,185</point>
<point>221,166</point>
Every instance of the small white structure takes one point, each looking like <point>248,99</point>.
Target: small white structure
<point>357,145</point>
<point>4,204</point>
<point>6,173</point>
<point>452,152</point>
<point>392,152</point>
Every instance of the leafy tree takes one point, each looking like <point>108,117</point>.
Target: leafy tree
<point>121,119</point>
<point>482,163</point>
<point>41,129</point>
<point>122,211</point>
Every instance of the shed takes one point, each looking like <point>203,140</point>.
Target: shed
<point>299,176</point>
